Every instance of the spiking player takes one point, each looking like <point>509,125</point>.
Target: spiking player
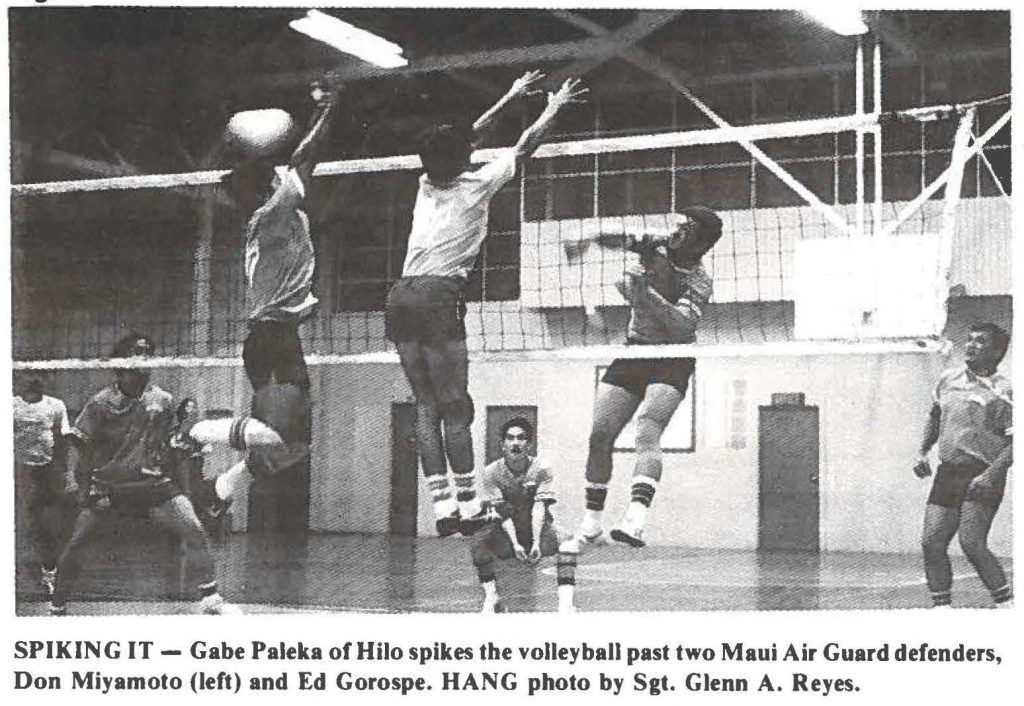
<point>667,290</point>
<point>426,307</point>
<point>40,426</point>
<point>279,263</point>
<point>119,462</point>
<point>972,421</point>
<point>519,486</point>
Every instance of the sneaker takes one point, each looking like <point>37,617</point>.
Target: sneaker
<point>58,610</point>
<point>625,534</point>
<point>566,609</point>
<point>580,542</point>
<point>492,605</point>
<point>49,580</point>
<point>215,604</point>
<point>471,525</point>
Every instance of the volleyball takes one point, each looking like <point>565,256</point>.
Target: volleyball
<point>260,133</point>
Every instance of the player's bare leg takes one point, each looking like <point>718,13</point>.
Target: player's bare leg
<point>940,524</point>
<point>975,523</point>
<point>69,563</point>
<point>613,409</point>
<point>178,516</point>
<point>654,414</point>
<point>429,443</point>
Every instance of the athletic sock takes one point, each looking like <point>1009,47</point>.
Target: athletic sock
<point>441,495</point>
<point>207,589</point>
<point>465,494</point>
<point>1002,594</point>
<point>641,496</point>
<point>595,494</point>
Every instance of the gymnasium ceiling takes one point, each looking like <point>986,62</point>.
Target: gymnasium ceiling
<point>109,91</point>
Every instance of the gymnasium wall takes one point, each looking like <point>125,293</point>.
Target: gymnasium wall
<point>872,413</point>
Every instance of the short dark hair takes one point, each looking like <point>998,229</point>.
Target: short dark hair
<point>445,150</point>
<point>999,336</point>
<point>520,422</point>
<point>134,343</point>
<point>179,413</point>
<point>708,222</point>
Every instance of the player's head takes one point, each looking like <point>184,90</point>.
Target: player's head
<point>132,381</point>
<point>29,386</point>
<point>445,151</point>
<point>986,345</point>
<point>186,408</point>
<point>516,437</point>
<point>698,229</point>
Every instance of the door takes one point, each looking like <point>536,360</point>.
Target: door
<point>404,471</point>
<point>788,475</point>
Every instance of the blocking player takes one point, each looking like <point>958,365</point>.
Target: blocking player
<point>667,290</point>
<point>120,462</point>
<point>426,307</point>
<point>971,420</point>
<point>279,264</point>
<point>40,426</point>
<point>518,486</point>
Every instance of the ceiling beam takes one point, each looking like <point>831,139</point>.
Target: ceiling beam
<point>614,42</point>
<point>511,56</point>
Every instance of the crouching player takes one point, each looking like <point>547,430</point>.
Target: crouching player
<point>118,463</point>
<point>518,486</point>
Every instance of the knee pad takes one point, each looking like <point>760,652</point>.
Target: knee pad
<point>460,411</point>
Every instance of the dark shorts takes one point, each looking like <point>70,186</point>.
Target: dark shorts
<point>949,488</point>
<point>285,408</point>
<point>635,374</point>
<point>501,546</point>
<point>425,309</point>
<point>273,351</point>
<point>130,496</point>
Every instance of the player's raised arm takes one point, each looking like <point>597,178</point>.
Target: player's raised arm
<point>523,86</point>
<point>572,91</point>
<point>306,155</point>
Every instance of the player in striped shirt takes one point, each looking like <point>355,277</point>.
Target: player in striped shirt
<point>971,420</point>
<point>279,265</point>
<point>426,306</point>
<point>519,486</point>
<point>667,290</point>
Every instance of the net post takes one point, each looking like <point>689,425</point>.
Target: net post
<point>954,185</point>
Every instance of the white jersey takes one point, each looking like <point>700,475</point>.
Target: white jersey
<point>34,426</point>
<point>449,220</point>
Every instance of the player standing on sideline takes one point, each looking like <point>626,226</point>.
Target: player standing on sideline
<point>40,425</point>
<point>426,308</point>
<point>518,486</point>
<point>972,421</point>
<point>279,265</point>
<point>666,290</point>
<point>120,454</point>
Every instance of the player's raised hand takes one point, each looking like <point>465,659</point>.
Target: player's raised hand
<point>571,91</point>
<point>526,85</point>
<point>921,468</point>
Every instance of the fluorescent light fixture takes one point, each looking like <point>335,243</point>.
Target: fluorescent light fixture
<point>350,39</point>
<point>839,18</point>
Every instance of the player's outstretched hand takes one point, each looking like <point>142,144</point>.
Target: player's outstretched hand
<point>534,556</point>
<point>520,552</point>
<point>526,85</point>
<point>922,469</point>
<point>572,91</point>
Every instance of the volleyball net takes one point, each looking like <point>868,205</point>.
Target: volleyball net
<point>813,258</point>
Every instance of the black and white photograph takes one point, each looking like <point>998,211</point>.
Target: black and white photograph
<point>469,310</point>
